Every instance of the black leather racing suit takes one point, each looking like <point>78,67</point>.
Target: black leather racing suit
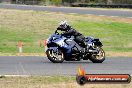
<point>79,38</point>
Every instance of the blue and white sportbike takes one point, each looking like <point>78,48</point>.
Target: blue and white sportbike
<point>60,48</point>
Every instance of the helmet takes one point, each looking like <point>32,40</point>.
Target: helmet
<point>63,25</point>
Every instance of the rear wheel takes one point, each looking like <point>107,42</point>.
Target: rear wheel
<point>55,57</point>
<point>99,57</point>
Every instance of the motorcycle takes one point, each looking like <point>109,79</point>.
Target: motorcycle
<point>60,48</point>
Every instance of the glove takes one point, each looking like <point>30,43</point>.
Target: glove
<point>59,28</point>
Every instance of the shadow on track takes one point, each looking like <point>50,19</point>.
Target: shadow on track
<point>70,62</point>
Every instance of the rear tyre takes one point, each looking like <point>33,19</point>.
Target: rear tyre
<point>98,58</point>
<point>55,57</point>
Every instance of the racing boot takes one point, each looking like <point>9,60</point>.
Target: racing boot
<point>93,50</point>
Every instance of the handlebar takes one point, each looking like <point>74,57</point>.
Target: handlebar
<point>56,32</point>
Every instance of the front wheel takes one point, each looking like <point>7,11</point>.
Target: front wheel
<point>55,57</point>
<point>99,57</point>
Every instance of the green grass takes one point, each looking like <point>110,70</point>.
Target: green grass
<point>34,81</point>
<point>32,26</point>
<point>114,35</point>
<point>39,79</point>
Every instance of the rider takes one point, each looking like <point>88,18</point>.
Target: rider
<point>68,31</point>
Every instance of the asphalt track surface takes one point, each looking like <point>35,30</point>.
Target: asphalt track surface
<point>112,13</point>
<point>35,65</point>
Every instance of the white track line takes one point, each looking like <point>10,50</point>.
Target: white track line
<point>103,15</point>
<point>15,75</point>
<point>24,75</point>
<point>129,17</point>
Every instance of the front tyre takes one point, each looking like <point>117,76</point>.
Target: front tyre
<point>98,58</point>
<point>55,57</point>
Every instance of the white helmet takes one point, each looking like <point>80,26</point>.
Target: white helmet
<point>63,24</point>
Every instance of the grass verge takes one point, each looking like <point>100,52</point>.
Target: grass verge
<point>51,82</point>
